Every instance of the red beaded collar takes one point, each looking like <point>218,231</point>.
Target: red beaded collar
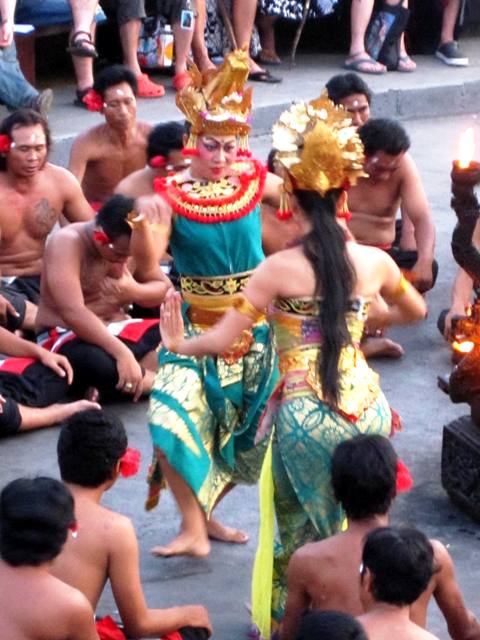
<point>202,207</point>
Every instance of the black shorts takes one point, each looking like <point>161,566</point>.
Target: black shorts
<point>94,367</point>
<point>30,383</point>
<point>18,292</point>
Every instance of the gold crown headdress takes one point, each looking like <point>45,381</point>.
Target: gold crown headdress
<point>318,147</point>
<point>216,102</point>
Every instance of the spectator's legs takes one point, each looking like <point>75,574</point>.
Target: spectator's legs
<point>129,17</point>
<point>450,14</point>
<point>15,91</point>
<point>266,30</point>
<point>199,47</point>
<point>129,33</point>
<point>448,50</point>
<point>83,12</point>
<point>183,43</point>
<point>405,63</point>
<point>358,58</point>
<point>243,18</point>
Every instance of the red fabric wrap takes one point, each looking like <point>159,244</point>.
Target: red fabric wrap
<point>175,635</point>
<point>135,330</point>
<point>16,365</point>
<point>108,629</point>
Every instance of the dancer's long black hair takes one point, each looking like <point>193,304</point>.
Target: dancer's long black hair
<point>325,248</point>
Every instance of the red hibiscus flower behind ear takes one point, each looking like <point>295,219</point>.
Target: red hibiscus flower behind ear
<point>101,237</point>
<point>157,162</point>
<point>5,143</point>
<point>404,478</point>
<point>130,463</point>
<point>93,100</point>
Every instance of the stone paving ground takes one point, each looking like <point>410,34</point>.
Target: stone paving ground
<point>222,580</point>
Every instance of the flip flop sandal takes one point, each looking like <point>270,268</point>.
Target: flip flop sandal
<point>81,45</point>
<point>404,70</point>
<point>356,65</point>
<point>148,89</point>
<point>263,76</point>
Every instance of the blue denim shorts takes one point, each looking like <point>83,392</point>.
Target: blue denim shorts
<point>44,13</point>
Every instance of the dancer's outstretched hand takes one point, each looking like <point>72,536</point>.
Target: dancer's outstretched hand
<point>171,321</point>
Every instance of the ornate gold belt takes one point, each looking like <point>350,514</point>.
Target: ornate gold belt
<point>214,286</point>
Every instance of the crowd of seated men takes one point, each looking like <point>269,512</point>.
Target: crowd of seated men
<point>78,330</point>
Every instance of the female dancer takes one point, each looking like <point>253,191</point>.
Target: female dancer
<point>204,412</point>
<point>317,295</point>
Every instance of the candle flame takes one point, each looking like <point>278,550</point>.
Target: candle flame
<point>463,347</point>
<point>466,148</point>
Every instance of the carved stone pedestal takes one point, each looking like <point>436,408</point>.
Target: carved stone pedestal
<point>461,465</point>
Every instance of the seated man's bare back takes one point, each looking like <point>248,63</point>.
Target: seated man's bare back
<point>35,517</point>
<point>90,455</point>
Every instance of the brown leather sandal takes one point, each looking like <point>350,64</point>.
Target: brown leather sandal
<point>81,45</point>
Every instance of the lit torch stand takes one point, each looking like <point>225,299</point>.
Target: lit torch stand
<point>461,438</point>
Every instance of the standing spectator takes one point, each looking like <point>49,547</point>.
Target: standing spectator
<point>15,91</point>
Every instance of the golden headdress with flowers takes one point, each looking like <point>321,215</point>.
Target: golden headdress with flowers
<point>216,102</point>
<point>318,147</point>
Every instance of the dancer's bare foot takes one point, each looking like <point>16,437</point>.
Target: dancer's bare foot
<point>218,531</point>
<point>185,544</point>
<point>381,348</point>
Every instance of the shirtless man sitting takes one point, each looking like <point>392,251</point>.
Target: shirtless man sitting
<point>103,155</point>
<point>393,181</point>
<point>90,451</point>
<point>82,307</point>
<point>35,518</point>
<point>397,565</point>
<point>323,575</point>
<point>353,93</point>
<point>164,154</point>
<point>33,195</point>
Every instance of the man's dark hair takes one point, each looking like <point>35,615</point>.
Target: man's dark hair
<point>382,134</point>
<point>364,475</point>
<point>89,446</point>
<point>112,76</point>
<point>401,563</point>
<point>346,84</point>
<point>23,118</point>
<point>330,625</point>
<point>164,138</point>
<point>112,216</point>
<point>35,514</point>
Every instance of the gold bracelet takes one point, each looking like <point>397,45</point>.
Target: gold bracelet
<point>246,308</point>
